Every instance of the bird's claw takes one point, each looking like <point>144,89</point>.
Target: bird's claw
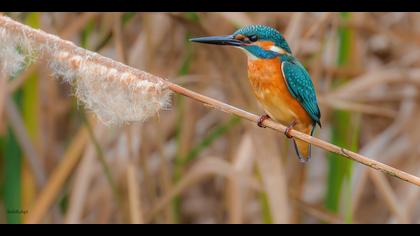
<point>304,160</point>
<point>287,132</point>
<point>261,119</point>
<point>290,127</point>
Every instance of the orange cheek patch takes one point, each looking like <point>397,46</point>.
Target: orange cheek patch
<point>240,37</point>
<point>266,45</point>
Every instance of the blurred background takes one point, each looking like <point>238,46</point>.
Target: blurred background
<point>192,164</point>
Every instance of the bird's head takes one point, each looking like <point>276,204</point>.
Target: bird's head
<point>258,41</point>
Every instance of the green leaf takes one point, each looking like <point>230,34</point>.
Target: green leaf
<point>127,16</point>
<point>12,174</point>
<point>192,16</point>
<point>344,133</point>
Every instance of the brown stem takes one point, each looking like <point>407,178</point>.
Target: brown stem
<point>304,137</point>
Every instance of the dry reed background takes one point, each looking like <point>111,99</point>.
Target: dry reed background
<point>195,165</point>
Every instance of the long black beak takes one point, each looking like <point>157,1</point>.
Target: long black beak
<point>219,40</point>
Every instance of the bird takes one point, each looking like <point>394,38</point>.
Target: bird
<point>279,81</point>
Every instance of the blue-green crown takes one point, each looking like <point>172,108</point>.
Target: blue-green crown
<point>265,33</point>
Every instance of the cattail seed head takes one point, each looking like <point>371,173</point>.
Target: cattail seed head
<point>115,92</point>
<point>115,97</point>
<point>11,60</point>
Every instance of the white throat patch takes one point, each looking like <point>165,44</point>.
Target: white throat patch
<point>278,50</point>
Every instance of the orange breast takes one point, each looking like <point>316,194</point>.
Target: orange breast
<point>271,91</point>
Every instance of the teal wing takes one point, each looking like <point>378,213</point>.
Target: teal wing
<point>301,87</point>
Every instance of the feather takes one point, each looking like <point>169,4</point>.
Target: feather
<point>300,86</point>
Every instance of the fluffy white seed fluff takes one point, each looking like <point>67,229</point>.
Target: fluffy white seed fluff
<point>117,95</point>
<point>11,60</point>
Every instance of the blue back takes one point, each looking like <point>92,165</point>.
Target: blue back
<point>300,86</point>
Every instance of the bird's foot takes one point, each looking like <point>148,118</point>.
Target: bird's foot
<point>290,127</point>
<point>304,160</point>
<point>261,119</point>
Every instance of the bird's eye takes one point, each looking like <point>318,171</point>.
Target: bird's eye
<point>253,38</point>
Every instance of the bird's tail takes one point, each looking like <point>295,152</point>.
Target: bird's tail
<point>303,149</point>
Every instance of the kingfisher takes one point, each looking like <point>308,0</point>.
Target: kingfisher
<point>279,81</point>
